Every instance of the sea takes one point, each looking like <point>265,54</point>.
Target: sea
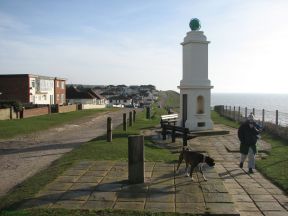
<point>269,102</point>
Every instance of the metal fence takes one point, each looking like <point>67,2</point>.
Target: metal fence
<point>262,116</point>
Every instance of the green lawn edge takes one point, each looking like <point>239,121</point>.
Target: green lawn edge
<point>84,212</point>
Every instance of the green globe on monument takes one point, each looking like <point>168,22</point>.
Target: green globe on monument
<point>195,24</point>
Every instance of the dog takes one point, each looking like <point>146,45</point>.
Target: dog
<point>194,159</point>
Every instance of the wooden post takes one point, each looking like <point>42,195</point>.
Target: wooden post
<point>11,112</point>
<point>173,136</point>
<point>277,114</point>
<point>130,119</point>
<point>245,112</point>
<point>148,114</point>
<point>185,138</point>
<point>109,129</point>
<point>239,113</point>
<point>263,116</point>
<point>136,159</point>
<point>164,132</point>
<point>124,122</point>
<point>234,113</point>
<point>134,115</point>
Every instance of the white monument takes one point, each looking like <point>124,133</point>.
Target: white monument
<point>195,88</point>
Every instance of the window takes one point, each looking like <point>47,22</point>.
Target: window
<point>200,105</point>
<point>58,97</point>
<point>57,84</point>
<point>33,84</point>
<point>62,85</point>
<point>62,98</point>
<point>45,97</point>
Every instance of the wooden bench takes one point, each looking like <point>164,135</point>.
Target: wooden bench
<point>182,131</point>
<point>167,119</point>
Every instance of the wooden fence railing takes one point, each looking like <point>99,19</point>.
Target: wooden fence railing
<point>261,115</point>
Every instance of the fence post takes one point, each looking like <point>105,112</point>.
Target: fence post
<point>124,122</point>
<point>136,159</point>
<point>134,115</point>
<point>109,129</point>
<point>234,113</point>
<point>263,116</point>
<point>277,114</point>
<point>239,113</point>
<point>173,135</point>
<point>130,119</point>
<point>148,113</point>
<point>230,112</point>
<point>245,112</point>
<point>11,112</point>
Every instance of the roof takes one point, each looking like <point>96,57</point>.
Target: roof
<point>74,93</point>
<point>31,75</point>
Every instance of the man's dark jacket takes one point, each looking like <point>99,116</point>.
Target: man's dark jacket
<point>247,137</point>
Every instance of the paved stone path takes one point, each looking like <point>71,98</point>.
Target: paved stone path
<point>228,191</point>
<point>103,184</point>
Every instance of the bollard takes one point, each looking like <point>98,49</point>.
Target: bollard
<point>148,113</point>
<point>109,129</point>
<point>130,119</point>
<point>124,122</point>
<point>136,159</point>
<point>134,115</point>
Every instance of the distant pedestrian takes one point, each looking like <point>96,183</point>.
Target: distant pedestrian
<point>248,135</point>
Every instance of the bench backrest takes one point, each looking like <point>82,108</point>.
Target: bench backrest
<point>170,116</point>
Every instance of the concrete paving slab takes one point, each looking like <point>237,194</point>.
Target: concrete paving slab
<point>98,204</point>
<point>68,204</point>
<point>58,186</point>
<point>49,195</point>
<point>103,196</point>
<point>221,209</point>
<point>217,198</point>
<point>244,206</point>
<point>275,213</point>
<point>160,207</point>
<point>189,198</point>
<point>161,197</point>
<point>139,206</point>
<point>269,206</point>
<point>131,197</point>
<point>84,186</point>
<point>192,208</point>
<point>75,195</point>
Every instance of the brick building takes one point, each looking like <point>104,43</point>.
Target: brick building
<point>34,89</point>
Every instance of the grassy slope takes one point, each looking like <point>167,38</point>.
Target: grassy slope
<point>11,128</point>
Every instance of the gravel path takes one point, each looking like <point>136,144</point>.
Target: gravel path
<point>23,156</point>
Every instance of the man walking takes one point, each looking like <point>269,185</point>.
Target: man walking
<point>247,134</point>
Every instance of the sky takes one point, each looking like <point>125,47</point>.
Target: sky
<point>135,42</point>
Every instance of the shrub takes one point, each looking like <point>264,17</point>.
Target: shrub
<point>17,106</point>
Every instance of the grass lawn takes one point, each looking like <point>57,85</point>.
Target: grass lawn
<point>275,166</point>
<point>97,149</point>
<point>65,212</point>
<point>11,128</point>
